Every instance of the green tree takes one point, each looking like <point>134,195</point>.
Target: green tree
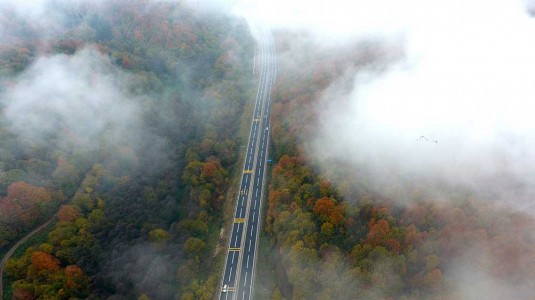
<point>159,236</point>
<point>194,246</point>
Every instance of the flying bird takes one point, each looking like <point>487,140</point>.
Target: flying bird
<point>423,138</point>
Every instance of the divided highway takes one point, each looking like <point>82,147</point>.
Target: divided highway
<point>238,274</point>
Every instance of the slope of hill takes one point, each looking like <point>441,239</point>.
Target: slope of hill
<point>125,116</point>
<point>335,236</point>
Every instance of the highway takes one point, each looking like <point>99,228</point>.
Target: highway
<point>238,274</point>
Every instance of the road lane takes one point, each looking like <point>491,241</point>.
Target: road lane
<point>238,275</point>
<point>246,281</point>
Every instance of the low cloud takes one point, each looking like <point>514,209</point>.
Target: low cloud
<point>41,20</point>
<point>473,276</point>
<point>456,109</point>
<point>143,269</point>
<point>78,101</point>
<point>446,115</point>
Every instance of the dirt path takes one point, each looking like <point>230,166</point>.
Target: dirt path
<point>14,248</point>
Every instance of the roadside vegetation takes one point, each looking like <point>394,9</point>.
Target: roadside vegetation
<point>345,240</point>
<point>139,214</point>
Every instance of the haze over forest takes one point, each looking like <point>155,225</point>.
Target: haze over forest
<point>401,140</point>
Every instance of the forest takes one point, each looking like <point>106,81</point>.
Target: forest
<point>124,122</point>
<point>335,237</point>
<point>121,119</point>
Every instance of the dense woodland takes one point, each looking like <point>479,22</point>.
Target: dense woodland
<point>139,211</point>
<point>139,214</point>
<point>345,241</point>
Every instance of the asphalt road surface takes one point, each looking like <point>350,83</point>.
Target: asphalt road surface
<point>238,275</point>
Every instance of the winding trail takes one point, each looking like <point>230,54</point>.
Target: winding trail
<point>14,248</point>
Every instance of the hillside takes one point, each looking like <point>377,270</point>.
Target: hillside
<point>399,162</point>
<point>125,117</point>
<point>334,235</point>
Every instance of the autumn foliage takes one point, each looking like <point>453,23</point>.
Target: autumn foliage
<point>343,240</point>
<point>327,210</point>
<point>23,205</point>
<point>159,185</point>
<point>68,213</point>
<point>44,262</point>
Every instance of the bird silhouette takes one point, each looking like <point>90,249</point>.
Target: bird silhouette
<point>422,138</point>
